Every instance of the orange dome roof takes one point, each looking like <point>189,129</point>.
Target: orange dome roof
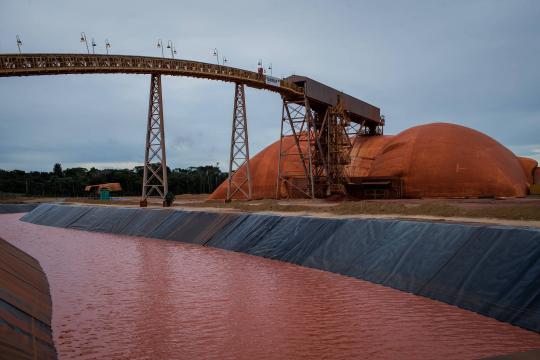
<point>365,150</point>
<point>434,160</point>
<point>264,167</point>
<point>447,160</point>
<point>529,166</point>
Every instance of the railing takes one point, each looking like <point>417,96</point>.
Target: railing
<point>53,64</point>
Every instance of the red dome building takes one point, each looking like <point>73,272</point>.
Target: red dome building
<point>447,160</point>
<point>434,160</point>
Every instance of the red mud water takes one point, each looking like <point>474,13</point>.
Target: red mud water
<point>127,297</point>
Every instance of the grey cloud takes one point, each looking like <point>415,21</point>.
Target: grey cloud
<point>470,62</point>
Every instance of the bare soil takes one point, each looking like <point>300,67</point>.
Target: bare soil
<point>526,209</point>
<point>511,211</point>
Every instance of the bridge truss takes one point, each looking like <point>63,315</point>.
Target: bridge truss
<point>320,120</point>
<point>56,64</point>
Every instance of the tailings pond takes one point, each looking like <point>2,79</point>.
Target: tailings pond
<point>129,297</point>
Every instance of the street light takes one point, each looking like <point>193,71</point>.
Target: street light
<point>224,60</point>
<point>93,47</point>
<point>83,39</point>
<point>19,43</point>
<point>216,54</point>
<point>270,68</point>
<point>160,46</point>
<point>170,45</point>
<point>107,45</point>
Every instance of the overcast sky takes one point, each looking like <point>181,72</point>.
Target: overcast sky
<point>474,63</point>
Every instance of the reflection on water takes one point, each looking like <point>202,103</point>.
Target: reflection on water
<point>126,297</point>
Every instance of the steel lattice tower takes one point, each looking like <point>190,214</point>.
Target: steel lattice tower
<point>297,120</point>
<point>239,171</point>
<point>155,163</point>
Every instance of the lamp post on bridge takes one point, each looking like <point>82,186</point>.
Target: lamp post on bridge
<point>216,54</point>
<point>107,45</point>
<point>170,45</point>
<point>83,39</point>
<point>19,43</point>
<point>160,46</point>
<point>93,47</point>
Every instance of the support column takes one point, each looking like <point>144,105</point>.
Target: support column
<point>297,125</point>
<point>338,148</point>
<point>155,163</point>
<point>239,180</point>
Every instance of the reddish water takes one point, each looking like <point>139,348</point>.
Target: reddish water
<point>126,297</point>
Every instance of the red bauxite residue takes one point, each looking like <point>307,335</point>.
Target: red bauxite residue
<point>127,297</point>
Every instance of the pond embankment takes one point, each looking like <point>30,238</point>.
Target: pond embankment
<point>492,270</point>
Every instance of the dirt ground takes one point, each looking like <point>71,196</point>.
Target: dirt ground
<point>507,211</point>
<point>515,212</point>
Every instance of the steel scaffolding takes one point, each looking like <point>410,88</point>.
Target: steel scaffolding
<point>155,163</point>
<point>239,170</point>
<point>296,122</point>
<point>320,152</point>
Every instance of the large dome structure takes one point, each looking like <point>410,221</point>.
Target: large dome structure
<point>364,152</point>
<point>434,160</point>
<point>447,160</point>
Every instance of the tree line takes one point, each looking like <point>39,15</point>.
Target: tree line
<point>72,181</point>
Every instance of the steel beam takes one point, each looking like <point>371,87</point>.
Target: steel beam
<point>239,180</point>
<point>155,161</point>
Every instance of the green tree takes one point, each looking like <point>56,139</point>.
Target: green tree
<point>57,170</point>
<point>71,181</point>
